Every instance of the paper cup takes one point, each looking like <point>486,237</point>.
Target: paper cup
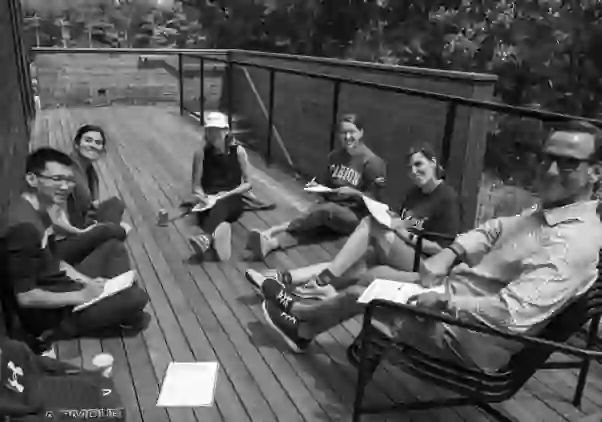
<point>104,363</point>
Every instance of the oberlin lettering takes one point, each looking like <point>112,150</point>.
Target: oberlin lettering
<point>86,414</point>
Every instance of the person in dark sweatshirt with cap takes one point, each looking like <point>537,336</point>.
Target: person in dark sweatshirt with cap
<point>219,179</point>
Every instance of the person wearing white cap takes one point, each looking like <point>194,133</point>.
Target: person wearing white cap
<point>219,172</point>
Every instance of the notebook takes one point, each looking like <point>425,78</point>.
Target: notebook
<point>204,206</point>
<point>318,189</point>
<point>379,211</point>
<point>112,286</point>
<point>394,291</point>
<point>190,384</point>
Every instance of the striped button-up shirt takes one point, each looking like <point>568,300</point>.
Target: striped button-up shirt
<point>519,272</point>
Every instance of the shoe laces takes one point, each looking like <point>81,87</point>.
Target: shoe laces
<point>289,317</point>
<point>205,240</point>
<point>284,298</point>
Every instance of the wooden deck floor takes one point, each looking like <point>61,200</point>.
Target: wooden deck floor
<point>208,311</point>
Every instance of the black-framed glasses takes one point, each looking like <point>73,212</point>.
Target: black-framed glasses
<point>563,162</point>
<point>57,179</point>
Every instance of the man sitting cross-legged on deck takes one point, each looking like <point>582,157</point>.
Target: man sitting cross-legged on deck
<point>517,272</point>
<point>353,170</point>
<point>430,205</point>
<point>45,289</point>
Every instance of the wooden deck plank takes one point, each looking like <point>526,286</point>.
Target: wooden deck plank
<point>237,336</point>
<point>185,149</point>
<point>142,381</point>
<point>210,312</point>
<point>233,276</point>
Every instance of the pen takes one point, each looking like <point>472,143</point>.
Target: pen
<point>311,181</point>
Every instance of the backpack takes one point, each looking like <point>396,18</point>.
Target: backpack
<point>35,388</point>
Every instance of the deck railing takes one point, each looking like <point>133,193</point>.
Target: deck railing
<point>463,161</point>
<point>452,101</point>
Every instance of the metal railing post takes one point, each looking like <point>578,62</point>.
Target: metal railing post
<point>230,92</point>
<point>335,112</point>
<point>270,116</point>
<point>181,82</point>
<point>448,132</point>
<point>202,94</point>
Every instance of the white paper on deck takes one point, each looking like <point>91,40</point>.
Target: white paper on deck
<point>394,291</point>
<point>189,384</point>
<point>379,211</point>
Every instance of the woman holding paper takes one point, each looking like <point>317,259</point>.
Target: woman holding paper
<point>430,205</point>
<point>85,223</point>
<point>353,171</point>
<point>219,178</point>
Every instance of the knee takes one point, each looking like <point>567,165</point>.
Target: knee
<point>137,298</point>
<point>112,231</point>
<point>113,246</point>
<point>116,203</point>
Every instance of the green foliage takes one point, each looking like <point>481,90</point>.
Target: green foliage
<point>544,52</point>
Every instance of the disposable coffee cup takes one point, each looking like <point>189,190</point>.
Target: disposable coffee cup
<point>104,363</point>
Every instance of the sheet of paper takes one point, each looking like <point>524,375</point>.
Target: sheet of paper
<point>394,291</point>
<point>211,200</point>
<point>379,211</point>
<point>318,189</point>
<point>189,384</point>
<point>111,287</point>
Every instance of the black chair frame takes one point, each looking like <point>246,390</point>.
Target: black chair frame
<point>474,387</point>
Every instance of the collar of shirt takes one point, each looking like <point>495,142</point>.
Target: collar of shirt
<point>578,211</point>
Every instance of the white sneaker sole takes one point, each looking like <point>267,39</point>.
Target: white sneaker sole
<point>291,344</point>
<point>51,353</point>
<point>255,278</point>
<point>222,241</point>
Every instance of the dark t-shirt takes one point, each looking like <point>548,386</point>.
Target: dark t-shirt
<point>221,172</point>
<point>365,172</point>
<point>437,211</point>
<point>30,265</point>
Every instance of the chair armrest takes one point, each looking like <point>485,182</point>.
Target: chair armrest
<point>431,235</point>
<point>441,317</point>
<point>423,234</point>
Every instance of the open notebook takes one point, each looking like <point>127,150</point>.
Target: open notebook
<point>381,212</point>
<point>394,291</point>
<point>317,188</point>
<point>112,286</point>
<point>204,206</point>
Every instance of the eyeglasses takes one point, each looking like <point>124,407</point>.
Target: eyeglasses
<point>57,179</point>
<point>563,162</point>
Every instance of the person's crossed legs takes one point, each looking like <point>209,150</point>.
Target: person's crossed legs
<point>391,254</point>
<point>300,323</point>
<point>322,218</point>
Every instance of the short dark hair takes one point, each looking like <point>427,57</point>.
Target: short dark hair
<point>353,119</point>
<point>582,126</point>
<point>37,160</point>
<point>89,128</point>
<point>429,153</point>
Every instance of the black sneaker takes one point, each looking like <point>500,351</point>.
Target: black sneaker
<point>275,292</point>
<point>257,278</point>
<point>286,325</point>
<point>200,244</point>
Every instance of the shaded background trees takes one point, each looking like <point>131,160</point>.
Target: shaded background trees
<point>543,51</point>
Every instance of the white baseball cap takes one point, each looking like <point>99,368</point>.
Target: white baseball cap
<point>217,120</point>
